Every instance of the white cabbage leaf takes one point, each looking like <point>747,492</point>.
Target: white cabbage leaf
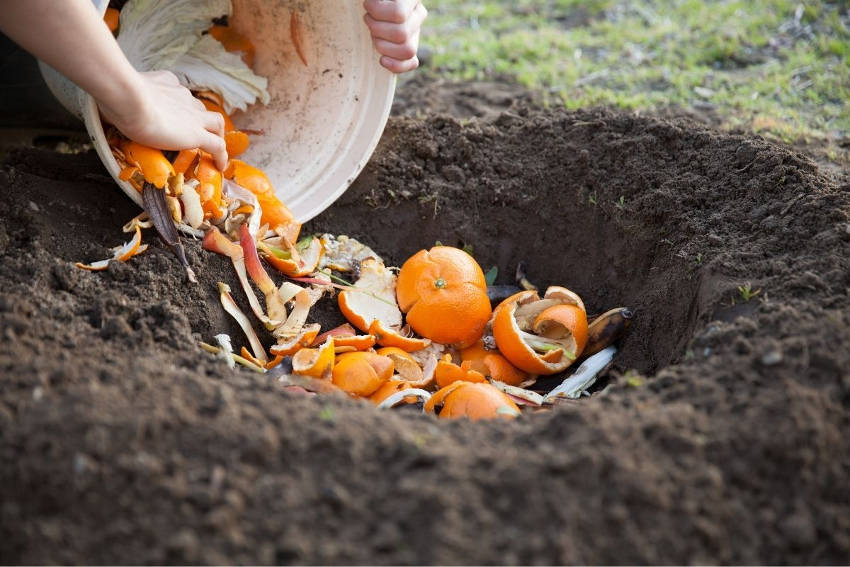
<point>169,35</point>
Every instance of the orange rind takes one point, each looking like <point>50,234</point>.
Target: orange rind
<point>290,345</point>
<point>448,372</point>
<point>474,401</point>
<point>315,362</point>
<point>499,368</point>
<point>151,164</point>
<point>296,262</point>
<point>371,298</point>
<point>361,373</point>
<point>389,337</point>
<point>234,42</point>
<point>406,367</point>
<point>275,214</point>
<point>518,318</point>
<point>120,253</point>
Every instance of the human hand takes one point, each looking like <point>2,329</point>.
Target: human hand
<point>161,113</point>
<point>395,26</point>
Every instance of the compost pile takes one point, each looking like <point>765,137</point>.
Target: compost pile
<point>718,436</point>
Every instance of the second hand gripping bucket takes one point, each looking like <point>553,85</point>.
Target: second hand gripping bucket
<point>324,118</point>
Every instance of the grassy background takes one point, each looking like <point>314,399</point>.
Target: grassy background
<point>776,67</point>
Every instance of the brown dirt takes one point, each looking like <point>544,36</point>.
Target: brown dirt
<point>122,442</point>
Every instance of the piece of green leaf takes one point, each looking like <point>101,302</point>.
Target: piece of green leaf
<point>490,276</point>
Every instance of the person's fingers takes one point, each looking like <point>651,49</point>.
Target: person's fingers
<point>395,33</point>
<point>394,11</point>
<point>214,122</point>
<point>196,102</point>
<point>397,66</point>
<point>216,147</point>
<point>400,51</point>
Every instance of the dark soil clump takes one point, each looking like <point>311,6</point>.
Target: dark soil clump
<point>721,436</point>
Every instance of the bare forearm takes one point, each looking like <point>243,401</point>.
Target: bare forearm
<point>69,36</point>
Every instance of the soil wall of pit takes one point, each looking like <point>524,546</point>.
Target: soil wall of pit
<point>720,438</point>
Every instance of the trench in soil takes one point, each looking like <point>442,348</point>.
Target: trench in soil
<point>553,224</point>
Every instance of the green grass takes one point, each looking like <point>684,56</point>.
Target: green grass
<point>766,66</point>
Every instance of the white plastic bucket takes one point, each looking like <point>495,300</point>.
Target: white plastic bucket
<point>324,119</point>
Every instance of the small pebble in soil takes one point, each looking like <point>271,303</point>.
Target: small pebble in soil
<point>771,358</point>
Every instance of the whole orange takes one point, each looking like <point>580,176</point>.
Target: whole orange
<point>444,294</point>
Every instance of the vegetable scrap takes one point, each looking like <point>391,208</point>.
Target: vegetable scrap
<point>435,335</point>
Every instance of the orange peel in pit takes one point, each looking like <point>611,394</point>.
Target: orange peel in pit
<point>371,298</point>
<point>406,367</point>
<point>344,330</point>
<point>362,373</point>
<point>356,342</point>
<point>518,318</point>
<point>444,295</point>
<point>448,372</point>
<point>315,362</point>
<point>390,387</point>
<point>296,263</point>
<point>500,368</point>
<point>291,345</point>
<point>474,354</point>
<point>121,253</point>
<point>471,400</point>
<point>389,337</point>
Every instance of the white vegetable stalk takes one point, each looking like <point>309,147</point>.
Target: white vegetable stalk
<point>584,377</point>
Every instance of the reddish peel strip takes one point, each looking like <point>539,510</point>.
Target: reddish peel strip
<point>276,308</point>
<point>215,241</point>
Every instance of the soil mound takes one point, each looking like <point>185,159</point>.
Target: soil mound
<point>720,437</point>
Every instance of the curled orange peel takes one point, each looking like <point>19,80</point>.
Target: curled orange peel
<point>121,253</point>
<point>474,401</point>
<point>390,337</point>
<point>361,373</point>
<point>514,322</point>
<point>406,367</point>
<point>448,372</point>
<point>151,162</point>
<point>315,362</point>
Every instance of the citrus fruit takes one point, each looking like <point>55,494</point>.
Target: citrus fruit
<point>444,294</point>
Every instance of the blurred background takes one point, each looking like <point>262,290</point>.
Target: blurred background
<point>778,68</point>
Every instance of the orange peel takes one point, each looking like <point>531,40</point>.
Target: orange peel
<point>234,42</point>
<point>315,362</point>
<point>275,214</point>
<point>371,298</point>
<point>448,372</point>
<point>406,367</point>
<point>389,337</point>
<point>474,401</point>
<point>295,262</point>
<point>120,253</point>
<point>361,373</point>
<point>557,347</point>
<point>290,345</point>
<point>151,163</point>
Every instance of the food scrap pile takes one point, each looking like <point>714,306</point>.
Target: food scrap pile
<point>425,333</point>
